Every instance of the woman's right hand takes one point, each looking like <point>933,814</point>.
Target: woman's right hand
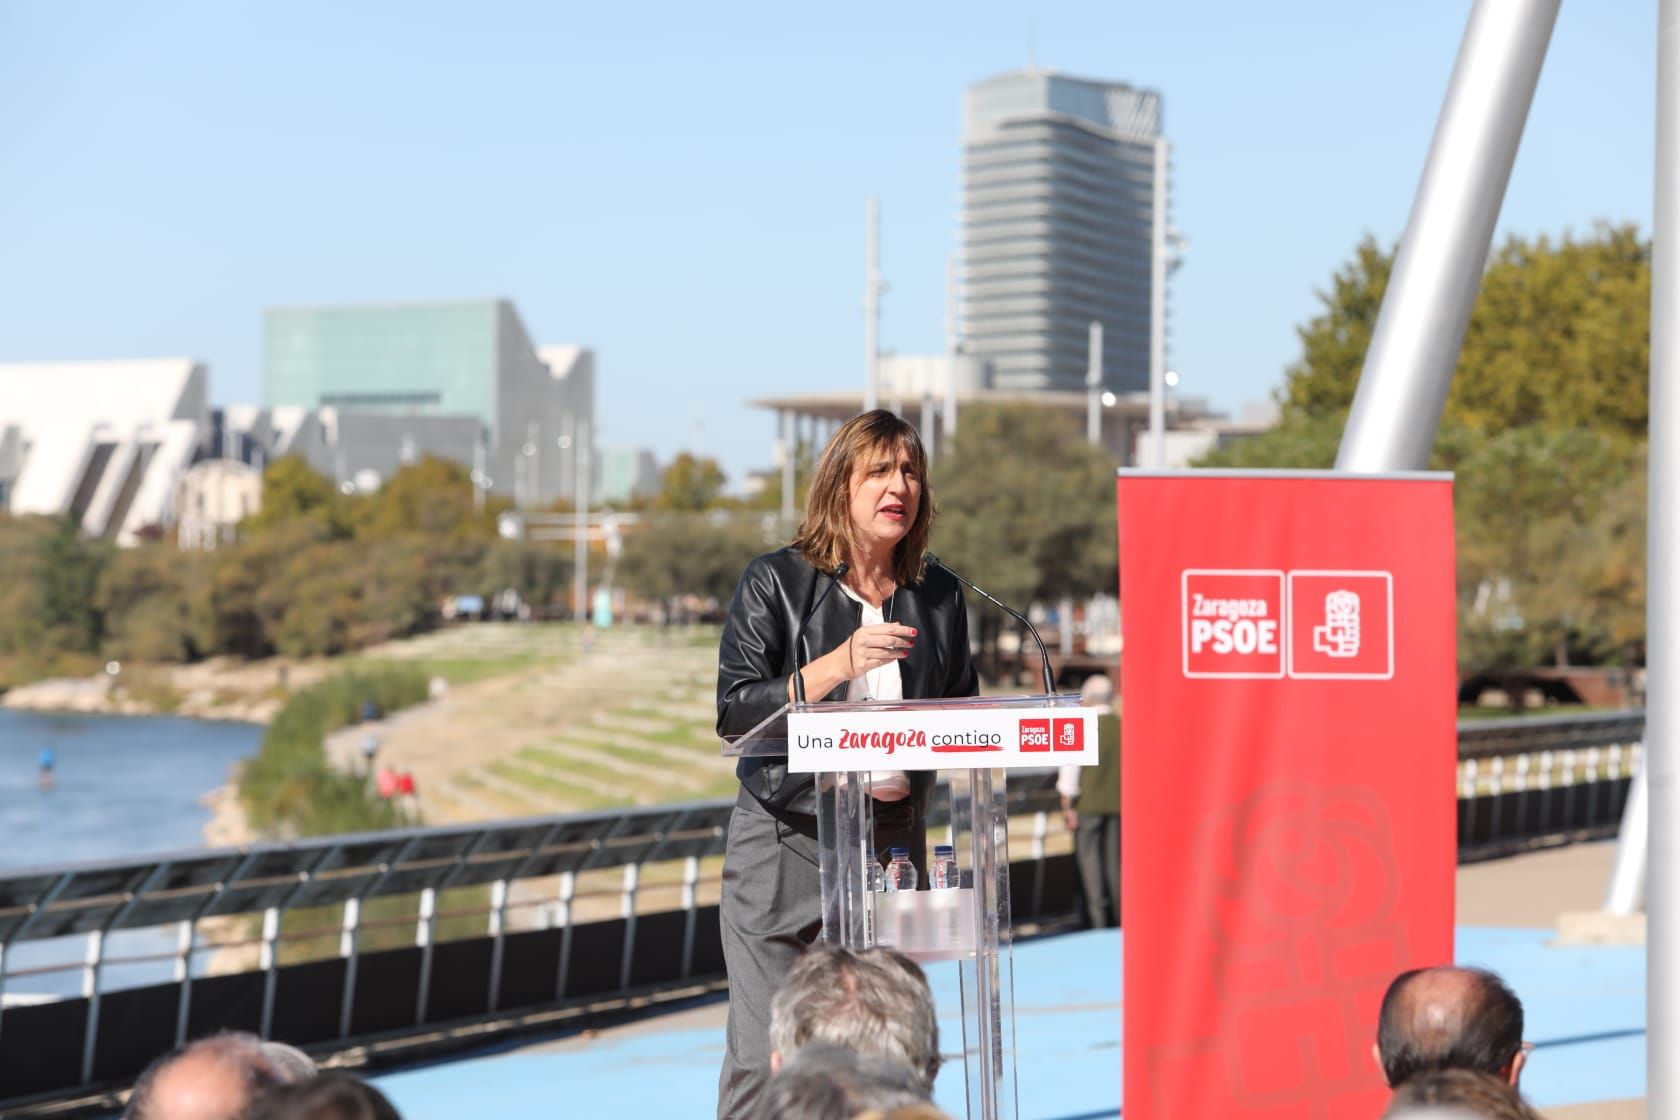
<point>871,647</point>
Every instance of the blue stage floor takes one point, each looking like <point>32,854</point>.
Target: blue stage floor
<point>1585,1010</point>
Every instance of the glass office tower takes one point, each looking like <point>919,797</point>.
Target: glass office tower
<point>1057,228</point>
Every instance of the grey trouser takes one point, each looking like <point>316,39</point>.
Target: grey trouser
<point>771,910</point>
<point>770,913</point>
<point>1097,849</point>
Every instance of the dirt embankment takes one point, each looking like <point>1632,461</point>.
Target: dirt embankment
<point>221,688</point>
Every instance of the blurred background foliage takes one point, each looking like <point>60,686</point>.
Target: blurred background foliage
<point>1544,430</point>
<point>316,572</point>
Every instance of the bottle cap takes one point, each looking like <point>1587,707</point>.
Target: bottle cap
<point>901,853</point>
<point>943,850</point>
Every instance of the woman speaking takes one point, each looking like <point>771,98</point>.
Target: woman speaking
<point>883,625</point>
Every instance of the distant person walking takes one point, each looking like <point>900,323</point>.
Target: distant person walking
<point>48,760</point>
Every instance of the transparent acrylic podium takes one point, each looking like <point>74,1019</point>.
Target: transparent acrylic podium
<point>969,924</point>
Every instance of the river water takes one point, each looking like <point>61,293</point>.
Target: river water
<point>125,786</point>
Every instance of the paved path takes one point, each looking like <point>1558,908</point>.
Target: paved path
<point>1585,1006</point>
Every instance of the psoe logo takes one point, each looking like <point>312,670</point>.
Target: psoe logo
<point>1070,735</point>
<point>1341,625</point>
<point>1233,623</point>
<point>1035,734</point>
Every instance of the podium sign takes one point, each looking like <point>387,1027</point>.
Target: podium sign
<point>977,739</point>
<point>1289,749</point>
<point>950,739</point>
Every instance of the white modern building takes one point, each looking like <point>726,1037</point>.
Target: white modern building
<point>104,442</point>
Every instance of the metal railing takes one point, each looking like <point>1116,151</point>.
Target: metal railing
<point>1539,780</point>
<point>353,937</point>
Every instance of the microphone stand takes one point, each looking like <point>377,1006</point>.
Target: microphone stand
<point>1044,654</point>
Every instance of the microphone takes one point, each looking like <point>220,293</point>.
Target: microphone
<point>1049,677</point>
<point>799,638</point>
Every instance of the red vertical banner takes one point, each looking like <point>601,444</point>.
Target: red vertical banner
<point>1288,815</point>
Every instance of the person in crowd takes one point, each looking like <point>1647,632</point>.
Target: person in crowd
<point>1456,1093</point>
<point>215,1078</point>
<point>879,622</point>
<point>1091,809</point>
<point>1450,1018</point>
<point>330,1096</point>
<point>874,1002</point>
<point>292,1064</point>
<point>907,1112</point>
<point>825,1082</point>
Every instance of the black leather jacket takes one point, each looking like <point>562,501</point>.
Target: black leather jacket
<point>756,658</point>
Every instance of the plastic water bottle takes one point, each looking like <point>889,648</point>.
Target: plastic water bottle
<point>901,873</point>
<point>943,874</point>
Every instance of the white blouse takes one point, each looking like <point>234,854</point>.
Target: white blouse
<point>885,682</point>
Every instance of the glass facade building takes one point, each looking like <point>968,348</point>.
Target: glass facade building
<point>1057,228</point>
<point>469,359</point>
<point>436,359</point>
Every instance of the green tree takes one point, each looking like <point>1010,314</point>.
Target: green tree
<point>23,541</point>
<point>540,572</point>
<point>672,555</point>
<point>1550,545</point>
<point>66,579</point>
<point>1543,429</point>
<point>1026,507</point>
<point>433,497</point>
<point>146,596</point>
<point>691,483</point>
<point>1333,343</point>
<point>292,489</point>
<point>1559,336</point>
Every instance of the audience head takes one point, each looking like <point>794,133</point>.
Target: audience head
<point>908,1112</point>
<point>292,1064</point>
<point>875,1002</point>
<point>1450,1018</point>
<point>215,1078</point>
<point>331,1096</point>
<point>825,1082</point>
<point>1097,691</point>
<point>1457,1093</point>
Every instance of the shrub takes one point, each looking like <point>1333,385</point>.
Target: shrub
<point>290,787</point>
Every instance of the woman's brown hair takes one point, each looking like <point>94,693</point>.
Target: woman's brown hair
<point>825,536</point>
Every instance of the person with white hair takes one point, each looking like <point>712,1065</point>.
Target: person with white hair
<point>825,1082</point>
<point>872,1001</point>
<point>1091,808</point>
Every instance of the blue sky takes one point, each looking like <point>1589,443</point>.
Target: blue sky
<point>683,186</point>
